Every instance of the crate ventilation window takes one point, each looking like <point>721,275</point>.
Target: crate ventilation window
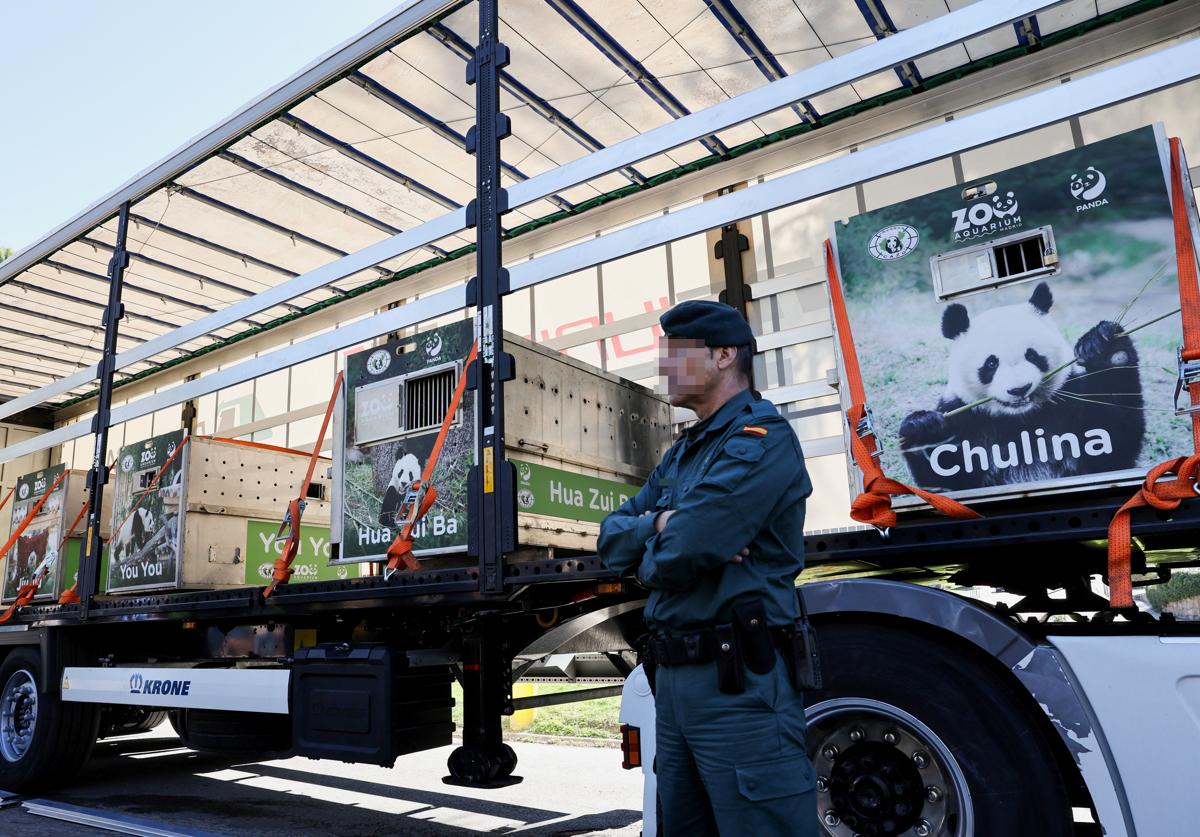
<point>426,399</point>
<point>395,407</point>
<point>992,264</point>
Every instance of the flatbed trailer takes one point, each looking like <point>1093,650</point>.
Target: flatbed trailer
<point>978,661</point>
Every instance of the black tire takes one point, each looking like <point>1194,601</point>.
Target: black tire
<point>989,729</point>
<point>175,716</point>
<point>129,720</point>
<point>234,733</point>
<point>63,734</point>
<point>507,758</point>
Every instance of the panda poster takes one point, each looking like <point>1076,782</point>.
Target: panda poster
<point>396,398</point>
<point>41,538</point>
<point>1019,332</point>
<point>146,538</point>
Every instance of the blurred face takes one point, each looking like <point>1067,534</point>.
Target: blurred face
<point>690,368</point>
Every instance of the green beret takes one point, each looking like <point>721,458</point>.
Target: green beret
<point>716,323</point>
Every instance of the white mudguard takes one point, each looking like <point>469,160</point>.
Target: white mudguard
<point>637,710</point>
<point>1144,692</point>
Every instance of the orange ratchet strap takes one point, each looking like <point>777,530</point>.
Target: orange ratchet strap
<point>1168,494</point>
<point>874,505</point>
<point>71,595</point>
<point>246,443</point>
<point>28,591</point>
<point>422,495</point>
<point>283,564</point>
<point>7,497</point>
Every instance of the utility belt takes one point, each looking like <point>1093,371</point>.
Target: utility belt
<point>747,642</point>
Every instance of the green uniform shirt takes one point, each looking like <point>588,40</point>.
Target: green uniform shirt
<point>735,480</point>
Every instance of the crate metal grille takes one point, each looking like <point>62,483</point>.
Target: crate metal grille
<point>426,399</point>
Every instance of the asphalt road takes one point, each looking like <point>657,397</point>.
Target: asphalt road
<point>567,790</point>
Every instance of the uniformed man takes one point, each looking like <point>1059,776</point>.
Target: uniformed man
<point>716,534</point>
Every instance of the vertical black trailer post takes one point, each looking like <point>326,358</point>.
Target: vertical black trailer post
<point>484,758</point>
<point>93,548</point>
<point>493,480</point>
<point>728,250</point>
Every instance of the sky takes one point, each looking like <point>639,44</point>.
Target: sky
<point>94,91</point>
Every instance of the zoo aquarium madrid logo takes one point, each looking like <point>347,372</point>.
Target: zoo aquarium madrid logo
<point>894,242</point>
<point>1088,188</point>
<point>986,218</point>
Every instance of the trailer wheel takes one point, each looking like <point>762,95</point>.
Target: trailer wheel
<point>909,736</point>
<point>233,733</point>
<point>129,720</point>
<point>44,740</point>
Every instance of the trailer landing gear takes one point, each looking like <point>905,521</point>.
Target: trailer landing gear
<point>484,760</point>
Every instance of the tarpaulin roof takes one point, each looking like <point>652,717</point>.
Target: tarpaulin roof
<point>369,140</point>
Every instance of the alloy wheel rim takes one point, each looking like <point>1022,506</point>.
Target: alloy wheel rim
<point>881,772</point>
<point>18,715</point>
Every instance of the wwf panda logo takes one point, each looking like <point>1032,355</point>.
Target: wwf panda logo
<point>893,242</point>
<point>1089,186</point>
<point>378,362</point>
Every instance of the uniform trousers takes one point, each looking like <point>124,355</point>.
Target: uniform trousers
<point>732,765</point>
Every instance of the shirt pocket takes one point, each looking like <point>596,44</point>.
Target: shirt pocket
<point>664,500</point>
<point>737,459</point>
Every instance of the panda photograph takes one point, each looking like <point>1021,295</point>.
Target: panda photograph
<point>1023,405</point>
<point>1019,332</point>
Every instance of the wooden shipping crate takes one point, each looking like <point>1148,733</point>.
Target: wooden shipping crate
<point>47,530</point>
<point>196,528</point>
<point>581,440</point>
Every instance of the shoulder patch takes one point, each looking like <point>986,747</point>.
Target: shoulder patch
<point>754,430</point>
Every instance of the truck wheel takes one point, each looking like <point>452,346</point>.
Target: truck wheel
<point>44,741</point>
<point>909,736</point>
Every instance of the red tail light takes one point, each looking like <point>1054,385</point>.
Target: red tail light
<point>631,747</point>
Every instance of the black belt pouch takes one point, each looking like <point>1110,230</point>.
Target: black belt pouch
<point>758,648</point>
<point>644,645</point>
<point>806,659</point>
<point>731,679</point>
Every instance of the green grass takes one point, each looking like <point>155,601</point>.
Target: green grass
<point>1183,585</point>
<point>585,719</point>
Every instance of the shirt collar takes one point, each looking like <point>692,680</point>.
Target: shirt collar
<point>723,415</point>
